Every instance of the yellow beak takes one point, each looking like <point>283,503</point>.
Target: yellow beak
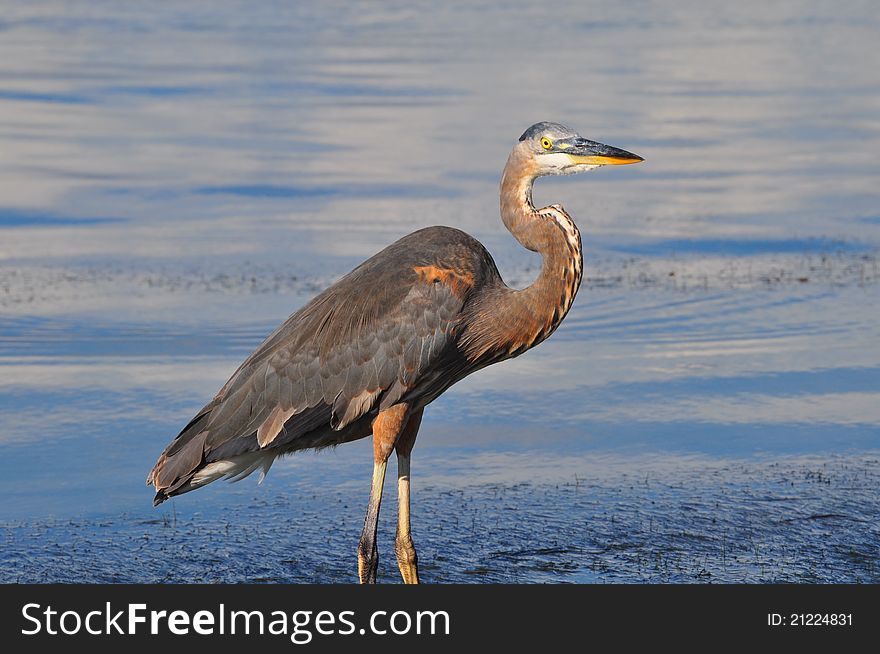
<point>604,160</point>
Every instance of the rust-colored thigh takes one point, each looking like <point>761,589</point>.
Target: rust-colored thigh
<point>387,428</point>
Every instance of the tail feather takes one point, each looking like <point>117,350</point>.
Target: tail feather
<point>202,453</point>
<point>187,468</point>
<point>183,456</point>
<point>234,469</point>
<point>175,469</point>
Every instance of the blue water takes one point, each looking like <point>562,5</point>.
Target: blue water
<point>176,180</point>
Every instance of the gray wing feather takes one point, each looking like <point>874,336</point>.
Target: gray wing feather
<point>372,370</point>
<point>360,346</point>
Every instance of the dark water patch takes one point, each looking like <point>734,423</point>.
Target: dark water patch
<point>692,389</point>
<point>709,273</point>
<point>84,448</point>
<point>156,91</point>
<point>774,384</point>
<point>29,336</point>
<point>688,525</point>
<point>656,424</point>
<point>357,191</point>
<point>709,317</point>
<point>337,89</point>
<point>352,91</point>
<point>29,286</point>
<point>47,97</point>
<point>611,25</point>
<point>104,94</point>
<point>743,247</point>
<point>730,92</point>
<point>10,217</point>
<point>690,277</point>
<point>68,24</point>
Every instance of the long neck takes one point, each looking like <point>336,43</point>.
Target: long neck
<point>512,321</point>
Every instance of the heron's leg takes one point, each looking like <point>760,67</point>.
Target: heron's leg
<point>407,560</point>
<point>387,427</point>
<point>368,553</point>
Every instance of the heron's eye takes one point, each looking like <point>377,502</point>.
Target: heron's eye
<point>546,143</point>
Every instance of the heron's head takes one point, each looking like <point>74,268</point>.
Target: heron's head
<point>555,149</point>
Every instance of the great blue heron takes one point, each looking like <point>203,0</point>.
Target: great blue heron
<point>370,352</point>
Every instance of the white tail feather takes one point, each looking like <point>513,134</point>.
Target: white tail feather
<point>235,468</point>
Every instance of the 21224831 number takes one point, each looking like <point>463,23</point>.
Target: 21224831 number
<point>809,620</point>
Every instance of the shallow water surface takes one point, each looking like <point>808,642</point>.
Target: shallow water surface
<point>176,181</point>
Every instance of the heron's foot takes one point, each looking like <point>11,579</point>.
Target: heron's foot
<point>368,562</point>
<point>407,559</point>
